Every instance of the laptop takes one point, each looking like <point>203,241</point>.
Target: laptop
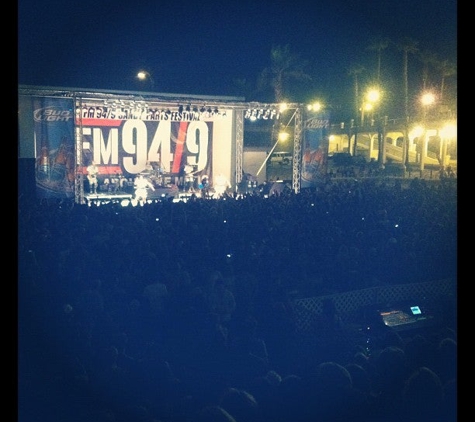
<point>405,317</point>
<point>416,310</point>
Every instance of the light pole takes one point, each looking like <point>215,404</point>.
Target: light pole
<point>366,108</point>
<point>427,100</point>
<point>369,100</point>
<point>448,132</point>
<point>143,75</point>
<point>372,97</point>
<point>382,122</point>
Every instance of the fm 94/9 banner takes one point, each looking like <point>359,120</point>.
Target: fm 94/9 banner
<point>120,141</point>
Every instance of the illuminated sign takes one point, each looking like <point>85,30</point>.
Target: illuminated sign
<point>262,113</point>
<point>142,111</point>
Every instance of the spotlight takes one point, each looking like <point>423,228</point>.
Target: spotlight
<point>188,108</point>
<point>202,109</point>
<point>180,109</point>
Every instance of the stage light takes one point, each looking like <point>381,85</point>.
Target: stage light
<point>188,108</point>
<point>283,136</point>
<point>283,107</point>
<point>203,109</point>
<point>180,109</point>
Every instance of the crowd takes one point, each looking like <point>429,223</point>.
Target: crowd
<point>182,312</point>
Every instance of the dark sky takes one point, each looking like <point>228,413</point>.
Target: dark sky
<point>201,47</point>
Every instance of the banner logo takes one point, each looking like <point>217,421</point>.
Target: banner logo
<point>53,115</point>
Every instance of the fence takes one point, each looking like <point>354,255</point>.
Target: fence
<point>350,304</point>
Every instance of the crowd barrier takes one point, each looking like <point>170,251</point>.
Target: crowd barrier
<point>350,305</point>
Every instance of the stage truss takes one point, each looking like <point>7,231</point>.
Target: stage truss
<point>239,107</point>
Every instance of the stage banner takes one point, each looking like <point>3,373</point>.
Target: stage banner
<point>315,148</point>
<point>124,141</point>
<point>54,147</point>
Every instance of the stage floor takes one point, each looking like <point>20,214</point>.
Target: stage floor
<point>162,192</point>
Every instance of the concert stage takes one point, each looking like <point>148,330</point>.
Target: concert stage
<point>160,193</point>
<point>105,198</point>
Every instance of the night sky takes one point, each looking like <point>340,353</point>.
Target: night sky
<point>203,47</point>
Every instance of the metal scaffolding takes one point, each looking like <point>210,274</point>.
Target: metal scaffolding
<point>239,119</point>
<point>297,158</point>
<point>79,179</point>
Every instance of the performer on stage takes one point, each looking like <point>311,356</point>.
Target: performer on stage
<point>141,185</point>
<point>204,186</point>
<point>188,169</point>
<point>157,173</point>
<point>92,172</point>
<point>221,184</point>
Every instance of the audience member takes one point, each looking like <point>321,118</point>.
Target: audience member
<point>139,314</point>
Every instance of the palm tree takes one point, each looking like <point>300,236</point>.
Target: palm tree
<point>446,69</point>
<point>378,45</point>
<point>284,66</point>
<point>427,58</point>
<point>407,46</point>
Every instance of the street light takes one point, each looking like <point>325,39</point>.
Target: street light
<point>372,97</point>
<point>317,106</point>
<point>143,75</point>
<point>369,100</point>
<point>367,107</point>
<point>427,100</point>
<point>448,132</point>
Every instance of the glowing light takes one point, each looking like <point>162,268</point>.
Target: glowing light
<point>428,99</point>
<point>373,95</point>
<point>317,106</point>
<point>283,136</point>
<point>416,132</point>
<point>449,131</point>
